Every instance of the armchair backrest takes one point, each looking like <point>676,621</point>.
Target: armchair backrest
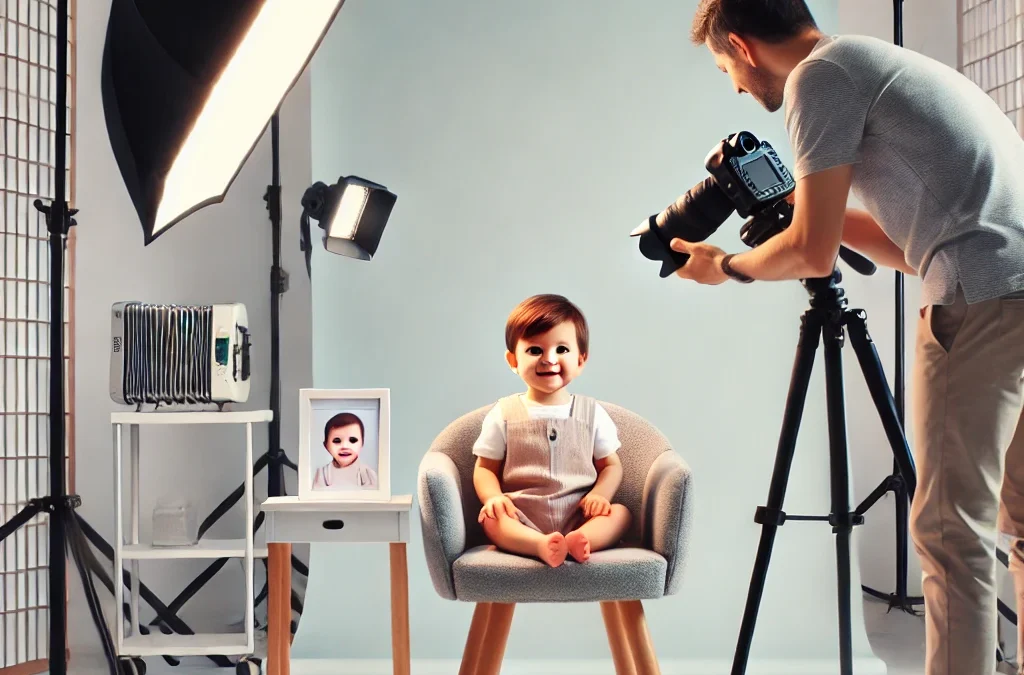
<point>641,441</point>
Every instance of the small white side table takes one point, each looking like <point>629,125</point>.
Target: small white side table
<point>290,521</point>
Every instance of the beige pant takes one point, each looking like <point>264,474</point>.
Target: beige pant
<point>966,402</point>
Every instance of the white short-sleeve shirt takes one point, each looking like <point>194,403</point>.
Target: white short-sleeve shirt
<point>491,442</point>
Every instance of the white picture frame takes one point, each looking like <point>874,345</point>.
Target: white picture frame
<point>323,475</point>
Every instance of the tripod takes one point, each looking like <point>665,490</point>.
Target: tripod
<point>827,320</point>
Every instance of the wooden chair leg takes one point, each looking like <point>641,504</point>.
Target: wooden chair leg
<point>640,643</point>
<point>475,639</point>
<point>499,622</point>
<point>621,655</point>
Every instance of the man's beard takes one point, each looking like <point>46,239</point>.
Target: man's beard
<point>765,90</point>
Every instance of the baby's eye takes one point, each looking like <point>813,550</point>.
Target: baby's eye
<point>563,350</point>
<point>533,350</point>
<point>353,440</point>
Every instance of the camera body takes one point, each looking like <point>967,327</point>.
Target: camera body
<point>747,177</point>
<point>749,172</point>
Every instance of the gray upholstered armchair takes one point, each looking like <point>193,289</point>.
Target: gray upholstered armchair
<point>464,566</point>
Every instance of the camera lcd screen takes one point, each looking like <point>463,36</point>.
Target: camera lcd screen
<point>762,173</point>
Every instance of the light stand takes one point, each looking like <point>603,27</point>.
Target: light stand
<point>894,483</point>
<point>279,555</point>
<point>278,286</point>
<point>59,504</point>
<point>827,319</point>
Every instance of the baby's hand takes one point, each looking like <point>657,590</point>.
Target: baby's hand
<point>595,505</point>
<point>495,505</point>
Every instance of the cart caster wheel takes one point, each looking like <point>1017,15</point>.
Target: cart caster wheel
<point>134,666</point>
<point>248,666</point>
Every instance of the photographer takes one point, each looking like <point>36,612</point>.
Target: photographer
<point>940,170</point>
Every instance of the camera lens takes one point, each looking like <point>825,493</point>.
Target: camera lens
<point>699,213</point>
<point>693,217</point>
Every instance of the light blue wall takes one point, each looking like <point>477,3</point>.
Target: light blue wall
<point>525,141</point>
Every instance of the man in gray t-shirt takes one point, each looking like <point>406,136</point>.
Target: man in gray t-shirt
<point>940,171</point>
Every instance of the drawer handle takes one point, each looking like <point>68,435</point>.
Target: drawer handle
<point>334,524</point>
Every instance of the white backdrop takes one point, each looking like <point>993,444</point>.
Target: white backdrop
<point>524,142</point>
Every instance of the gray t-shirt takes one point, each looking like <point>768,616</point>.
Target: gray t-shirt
<point>938,165</point>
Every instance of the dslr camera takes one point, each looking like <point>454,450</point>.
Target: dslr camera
<point>747,177</point>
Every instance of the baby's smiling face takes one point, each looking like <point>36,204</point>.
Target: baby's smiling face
<point>344,444</point>
<point>550,361</point>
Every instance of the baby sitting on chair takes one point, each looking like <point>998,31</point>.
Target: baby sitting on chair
<point>546,467</point>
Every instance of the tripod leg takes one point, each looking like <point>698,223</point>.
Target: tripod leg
<point>842,518</point>
<point>902,546</point>
<point>904,479</point>
<point>874,376</point>
<point>771,516</point>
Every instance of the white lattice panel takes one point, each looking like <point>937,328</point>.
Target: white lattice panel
<point>992,52</point>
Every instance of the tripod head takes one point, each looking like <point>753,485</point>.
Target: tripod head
<point>825,292</point>
<point>762,226</point>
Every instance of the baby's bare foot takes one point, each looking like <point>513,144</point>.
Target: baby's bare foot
<point>553,549</point>
<point>579,545</point>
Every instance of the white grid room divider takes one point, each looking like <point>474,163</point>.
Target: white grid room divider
<point>28,58</point>
<point>992,51</point>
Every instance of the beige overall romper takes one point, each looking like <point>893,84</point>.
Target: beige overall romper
<point>549,464</point>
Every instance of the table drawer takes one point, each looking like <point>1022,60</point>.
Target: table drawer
<point>335,526</point>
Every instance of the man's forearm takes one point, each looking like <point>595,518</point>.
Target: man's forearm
<point>784,257</point>
<point>780,258</point>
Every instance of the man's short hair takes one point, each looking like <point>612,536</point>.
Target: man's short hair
<point>767,20</point>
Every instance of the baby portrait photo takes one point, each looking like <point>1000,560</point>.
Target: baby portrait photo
<point>344,444</point>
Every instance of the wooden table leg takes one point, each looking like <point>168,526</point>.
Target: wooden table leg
<point>279,609</point>
<point>400,610</point>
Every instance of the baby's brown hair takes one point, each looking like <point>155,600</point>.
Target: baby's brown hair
<point>539,314</point>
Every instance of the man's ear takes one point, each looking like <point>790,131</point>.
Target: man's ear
<point>744,49</point>
<point>511,359</point>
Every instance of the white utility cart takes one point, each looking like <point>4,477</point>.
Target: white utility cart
<point>131,648</point>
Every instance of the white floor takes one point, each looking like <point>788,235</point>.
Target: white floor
<point>896,637</point>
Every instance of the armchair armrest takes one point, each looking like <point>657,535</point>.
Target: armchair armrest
<point>442,522</point>
<point>667,513</point>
